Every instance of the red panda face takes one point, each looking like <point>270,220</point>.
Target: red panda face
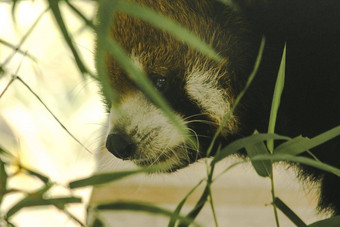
<point>198,89</point>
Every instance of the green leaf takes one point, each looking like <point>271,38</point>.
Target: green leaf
<point>175,214</point>
<point>289,212</point>
<point>198,207</point>
<point>160,21</point>
<point>298,159</point>
<point>103,178</point>
<point>54,5</point>
<point>80,14</point>
<point>14,4</point>
<point>239,144</point>
<point>38,200</point>
<point>36,174</point>
<point>104,18</point>
<point>329,222</point>
<point>263,167</point>
<point>3,180</point>
<point>301,144</point>
<point>276,99</point>
<point>140,207</point>
<point>5,152</point>
<point>294,146</point>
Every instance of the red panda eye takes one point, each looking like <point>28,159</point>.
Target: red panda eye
<point>159,81</point>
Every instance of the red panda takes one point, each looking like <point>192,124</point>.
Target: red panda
<point>202,91</point>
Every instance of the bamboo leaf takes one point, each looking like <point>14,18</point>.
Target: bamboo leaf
<point>175,214</point>
<point>298,159</point>
<point>198,207</point>
<point>87,21</point>
<point>140,207</point>
<point>33,200</point>
<point>276,99</point>
<point>239,144</point>
<point>104,18</point>
<point>294,146</point>
<point>36,174</point>
<point>54,5</point>
<point>160,21</point>
<point>300,144</point>
<point>329,222</point>
<point>289,212</point>
<point>103,178</point>
<point>263,167</point>
<point>3,180</point>
<point>5,152</point>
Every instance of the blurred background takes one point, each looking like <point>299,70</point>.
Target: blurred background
<point>27,129</point>
<point>38,141</point>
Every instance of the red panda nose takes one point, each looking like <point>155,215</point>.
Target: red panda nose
<point>120,146</point>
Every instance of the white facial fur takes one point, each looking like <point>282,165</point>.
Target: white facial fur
<point>157,140</point>
<point>202,87</point>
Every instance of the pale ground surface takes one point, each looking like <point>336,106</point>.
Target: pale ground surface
<point>29,131</point>
<point>241,197</point>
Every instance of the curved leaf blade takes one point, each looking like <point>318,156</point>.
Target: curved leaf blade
<point>263,167</point>
<point>140,207</point>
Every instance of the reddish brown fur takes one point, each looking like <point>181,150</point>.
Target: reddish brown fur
<point>155,48</point>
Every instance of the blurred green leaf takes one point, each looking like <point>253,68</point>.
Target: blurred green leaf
<point>140,207</point>
<point>4,151</point>
<point>263,167</point>
<point>97,223</point>
<point>300,144</point>
<point>276,99</point>
<point>239,144</point>
<point>80,14</point>
<point>175,214</point>
<point>54,5</point>
<point>38,200</point>
<point>162,22</point>
<point>104,18</point>
<point>289,212</point>
<point>14,4</point>
<point>3,180</point>
<point>36,174</point>
<point>329,222</point>
<point>103,178</point>
<point>198,206</point>
<point>298,159</point>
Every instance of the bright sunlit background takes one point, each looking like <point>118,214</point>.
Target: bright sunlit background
<point>27,129</point>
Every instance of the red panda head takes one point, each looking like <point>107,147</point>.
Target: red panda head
<point>200,90</point>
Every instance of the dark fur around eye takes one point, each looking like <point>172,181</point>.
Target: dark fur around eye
<point>159,81</point>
